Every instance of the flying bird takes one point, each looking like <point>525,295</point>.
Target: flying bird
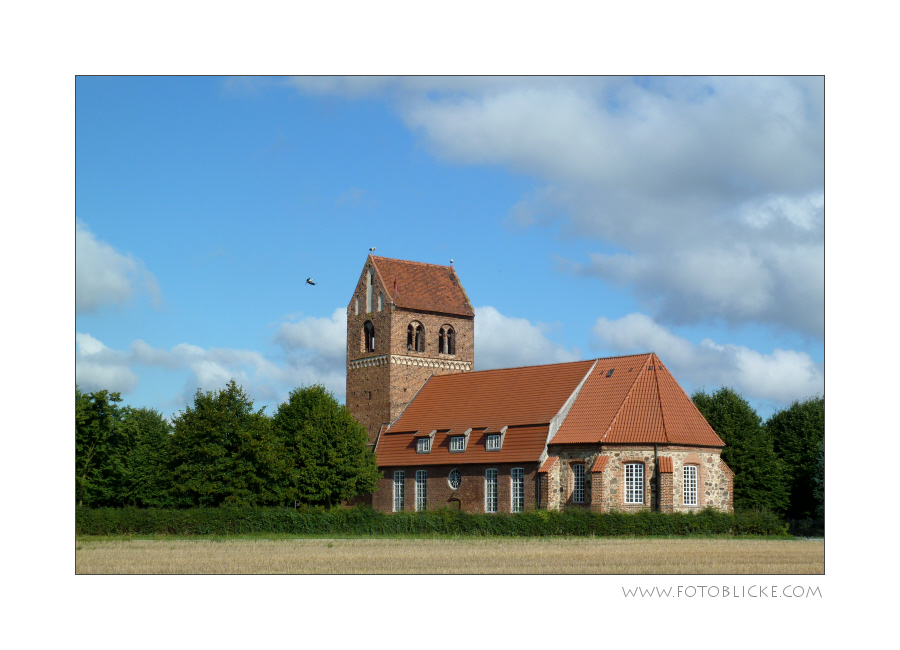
<point>371,249</point>
<point>310,281</point>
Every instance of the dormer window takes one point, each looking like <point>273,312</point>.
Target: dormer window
<point>423,443</point>
<point>494,441</point>
<point>459,443</point>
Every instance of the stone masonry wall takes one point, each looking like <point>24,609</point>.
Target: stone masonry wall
<point>606,490</point>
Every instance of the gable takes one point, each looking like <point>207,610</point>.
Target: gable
<point>645,405</point>
<point>422,287</point>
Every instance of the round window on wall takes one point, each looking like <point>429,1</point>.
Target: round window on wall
<point>454,478</point>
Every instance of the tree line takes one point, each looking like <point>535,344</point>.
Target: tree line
<point>220,451</point>
<point>779,464</point>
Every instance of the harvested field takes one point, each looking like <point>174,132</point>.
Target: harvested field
<point>451,556</point>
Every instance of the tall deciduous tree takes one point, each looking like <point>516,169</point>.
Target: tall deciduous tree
<point>100,449</point>
<point>818,481</point>
<point>149,478</point>
<point>330,461</point>
<point>759,480</point>
<point>224,452</point>
<point>796,432</point>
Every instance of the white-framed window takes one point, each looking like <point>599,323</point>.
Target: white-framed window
<point>399,480</point>
<point>421,489</point>
<point>578,488</point>
<point>490,490</point>
<point>518,489</point>
<point>493,442</point>
<point>454,479</point>
<point>634,483</point>
<point>690,485</point>
<point>457,443</point>
<point>423,445</point>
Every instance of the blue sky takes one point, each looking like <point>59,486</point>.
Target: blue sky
<point>586,217</point>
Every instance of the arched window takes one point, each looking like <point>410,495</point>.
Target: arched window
<point>356,308</point>
<point>380,301</point>
<point>369,332</point>
<point>415,337</point>
<point>369,290</point>
<point>447,340</point>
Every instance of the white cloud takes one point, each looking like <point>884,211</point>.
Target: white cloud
<point>313,352</point>
<point>99,368</point>
<point>105,276</point>
<point>324,336</point>
<point>713,187</point>
<point>507,342</point>
<point>782,376</point>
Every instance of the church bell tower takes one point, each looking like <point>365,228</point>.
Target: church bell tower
<point>406,321</point>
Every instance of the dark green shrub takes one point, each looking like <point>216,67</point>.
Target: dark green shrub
<point>362,520</point>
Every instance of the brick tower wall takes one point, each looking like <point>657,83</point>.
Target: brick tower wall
<point>409,369</point>
<point>381,382</point>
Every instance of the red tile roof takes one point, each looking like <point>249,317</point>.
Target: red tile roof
<point>621,400</point>
<point>634,399</point>
<point>600,463</point>
<point>422,287</point>
<point>548,464</point>
<point>492,398</point>
<point>521,444</point>
<point>665,464</point>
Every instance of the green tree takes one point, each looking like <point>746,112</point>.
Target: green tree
<point>149,478</point>
<point>100,449</point>
<point>796,432</point>
<point>759,478</point>
<point>326,447</point>
<point>818,482</point>
<point>224,453</point>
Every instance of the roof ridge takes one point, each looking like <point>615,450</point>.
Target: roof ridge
<point>662,412</point>
<point>558,363</point>
<point>538,365</point>
<point>627,396</point>
<point>397,259</point>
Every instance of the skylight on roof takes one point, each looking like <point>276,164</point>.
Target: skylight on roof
<point>609,374</point>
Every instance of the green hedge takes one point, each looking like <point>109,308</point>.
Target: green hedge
<point>365,521</point>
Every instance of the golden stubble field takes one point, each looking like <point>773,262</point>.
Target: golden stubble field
<point>451,556</point>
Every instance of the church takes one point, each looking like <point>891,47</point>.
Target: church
<point>614,433</point>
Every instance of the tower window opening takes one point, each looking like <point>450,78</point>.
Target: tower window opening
<point>369,331</point>
<point>446,343</point>
<point>415,337</point>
